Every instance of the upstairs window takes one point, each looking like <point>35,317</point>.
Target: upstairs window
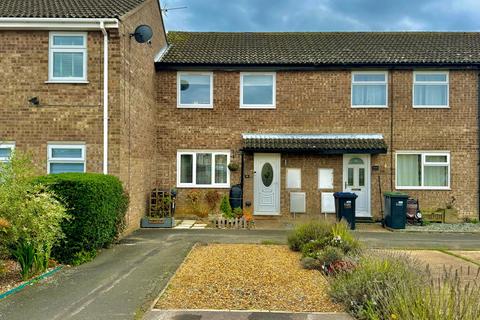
<point>66,158</point>
<point>430,89</point>
<point>195,90</point>
<point>369,89</point>
<point>68,57</point>
<point>257,90</point>
<point>203,169</point>
<point>423,170</point>
<point>6,150</point>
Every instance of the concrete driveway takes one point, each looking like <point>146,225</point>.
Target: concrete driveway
<point>123,281</point>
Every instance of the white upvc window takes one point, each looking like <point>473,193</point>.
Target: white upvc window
<point>203,169</point>
<point>430,89</point>
<point>428,170</point>
<point>369,89</point>
<point>66,158</point>
<point>257,90</point>
<point>6,150</point>
<point>67,57</point>
<point>195,90</point>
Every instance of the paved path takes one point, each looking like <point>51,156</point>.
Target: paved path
<point>242,315</point>
<point>122,281</point>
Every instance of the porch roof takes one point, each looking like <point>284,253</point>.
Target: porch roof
<point>307,143</point>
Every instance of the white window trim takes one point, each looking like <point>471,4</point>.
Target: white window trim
<point>274,91</point>
<point>447,82</point>
<point>194,169</point>
<point>431,164</point>
<point>51,159</point>
<point>7,145</point>
<point>81,49</point>
<point>194,105</point>
<point>367,83</point>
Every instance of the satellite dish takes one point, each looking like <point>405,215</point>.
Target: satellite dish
<point>142,34</point>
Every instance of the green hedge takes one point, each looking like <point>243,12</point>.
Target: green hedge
<point>97,204</point>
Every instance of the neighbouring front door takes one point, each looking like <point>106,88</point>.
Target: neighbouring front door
<point>266,183</point>
<point>356,179</point>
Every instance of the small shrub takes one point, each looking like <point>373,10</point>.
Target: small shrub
<point>377,275</point>
<point>310,263</point>
<point>307,232</point>
<point>225,208</point>
<point>247,214</point>
<point>97,204</point>
<point>83,256</point>
<point>330,255</point>
<point>211,198</point>
<point>344,239</point>
<point>313,248</point>
<point>238,212</point>
<point>193,198</point>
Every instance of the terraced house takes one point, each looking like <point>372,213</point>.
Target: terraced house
<point>290,117</point>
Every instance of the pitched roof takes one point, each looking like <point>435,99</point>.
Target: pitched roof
<point>322,48</point>
<point>314,143</point>
<point>66,8</point>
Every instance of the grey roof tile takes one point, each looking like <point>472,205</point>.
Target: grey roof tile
<point>322,48</point>
<point>66,8</point>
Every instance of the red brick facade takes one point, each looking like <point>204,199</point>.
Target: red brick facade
<point>319,102</point>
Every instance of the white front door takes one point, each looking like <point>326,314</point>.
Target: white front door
<point>266,183</point>
<point>356,179</point>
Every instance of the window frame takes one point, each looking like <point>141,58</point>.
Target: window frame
<point>353,82</point>
<point>73,48</point>
<point>447,82</point>
<point>194,105</point>
<point>51,159</point>
<point>423,155</point>
<point>194,184</point>
<point>7,145</point>
<point>272,105</point>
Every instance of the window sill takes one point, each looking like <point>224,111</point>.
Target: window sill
<point>68,81</point>
<point>431,107</point>
<point>196,106</point>
<point>424,188</point>
<point>369,107</point>
<point>203,186</point>
<point>258,107</point>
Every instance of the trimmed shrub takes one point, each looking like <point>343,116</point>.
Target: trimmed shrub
<point>307,232</point>
<point>376,275</point>
<point>225,208</point>
<point>97,205</point>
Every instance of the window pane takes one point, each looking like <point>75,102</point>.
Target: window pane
<point>5,152</point>
<point>409,168</point>
<point>369,95</point>
<point>186,168</point>
<point>436,159</point>
<point>66,153</point>
<point>195,89</point>
<point>436,176</point>
<point>430,95</point>
<point>350,177</point>
<point>258,89</point>
<point>355,161</point>
<point>431,77</point>
<point>204,168</point>
<point>361,177</point>
<point>68,64</point>
<point>369,77</point>
<point>68,40</point>
<point>221,168</point>
<point>66,167</point>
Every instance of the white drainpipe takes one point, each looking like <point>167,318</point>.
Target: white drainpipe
<point>105,97</point>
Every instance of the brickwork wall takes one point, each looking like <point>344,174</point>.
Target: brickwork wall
<point>319,102</point>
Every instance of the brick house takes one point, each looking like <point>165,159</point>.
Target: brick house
<point>308,114</point>
<point>302,115</point>
<point>59,102</point>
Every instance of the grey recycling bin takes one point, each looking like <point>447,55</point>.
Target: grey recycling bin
<point>395,210</point>
<point>345,207</point>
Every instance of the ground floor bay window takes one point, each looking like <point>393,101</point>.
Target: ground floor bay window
<point>422,170</point>
<point>203,169</point>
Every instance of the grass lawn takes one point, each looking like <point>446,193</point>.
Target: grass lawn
<point>246,277</point>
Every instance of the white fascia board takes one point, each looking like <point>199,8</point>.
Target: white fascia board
<point>57,23</point>
<point>332,136</point>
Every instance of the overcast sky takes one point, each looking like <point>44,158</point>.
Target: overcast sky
<point>323,15</point>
